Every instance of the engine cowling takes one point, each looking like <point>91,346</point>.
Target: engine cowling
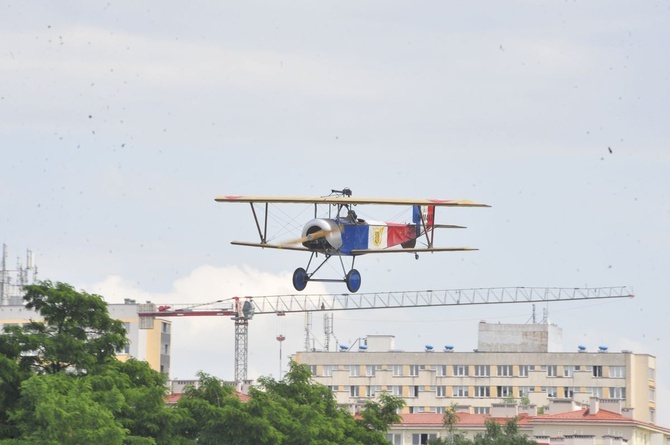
<point>328,243</point>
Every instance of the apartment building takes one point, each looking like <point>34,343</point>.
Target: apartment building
<point>512,362</point>
<point>151,343</point>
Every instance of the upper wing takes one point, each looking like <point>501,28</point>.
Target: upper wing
<point>416,250</point>
<point>349,200</point>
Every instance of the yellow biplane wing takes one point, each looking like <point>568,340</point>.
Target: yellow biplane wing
<point>349,200</point>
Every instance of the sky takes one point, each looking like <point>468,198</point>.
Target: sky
<point>120,122</point>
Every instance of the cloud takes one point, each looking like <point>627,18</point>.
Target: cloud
<point>208,343</point>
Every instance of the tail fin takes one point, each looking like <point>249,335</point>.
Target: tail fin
<point>423,215</point>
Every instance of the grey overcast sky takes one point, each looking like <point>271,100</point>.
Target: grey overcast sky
<point>121,121</point>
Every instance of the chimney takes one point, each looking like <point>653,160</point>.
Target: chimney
<point>594,405</point>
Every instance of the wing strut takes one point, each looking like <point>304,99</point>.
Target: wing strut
<point>263,235</point>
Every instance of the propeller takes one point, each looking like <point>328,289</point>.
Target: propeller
<point>311,237</point>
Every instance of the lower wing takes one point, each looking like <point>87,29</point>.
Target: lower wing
<point>412,250</point>
<point>271,246</point>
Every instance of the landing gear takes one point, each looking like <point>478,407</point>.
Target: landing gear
<point>353,280</point>
<point>300,279</point>
<point>301,276</point>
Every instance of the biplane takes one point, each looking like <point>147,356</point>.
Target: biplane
<point>343,234</point>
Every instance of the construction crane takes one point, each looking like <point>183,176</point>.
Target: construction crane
<point>243,309</point>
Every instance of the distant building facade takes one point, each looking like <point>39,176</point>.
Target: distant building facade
<point>520,366</point>
<point>152,345</point>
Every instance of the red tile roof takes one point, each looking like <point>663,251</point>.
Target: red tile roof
<point>601,415</point>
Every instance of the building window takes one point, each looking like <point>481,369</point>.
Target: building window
<point>397,370</point>
<point>441,370</point>
<point>422,438</point>
<point>441,391</point>
<point>618,371</point>
<point>166,349</point>
<point>595,391</point>
<point>597,371</point>
<point>370,370</point>
<point>652,415</point>
<point>482,391</point>
<point>552,370</point>
<point>354,371</point>
<point>652,374</point>
<point>371,390</point>
<point>569,392</point>
<point>394,439</point>
<point>482,371</point>
<point>505,370</point>
<point>524,391</point>
<point>461,391</point>
<point>460,370</point>
<point>165,327</point>
<point>504,391</point>
<point>652,395</point>
<point>482,410</point>
<point>524,369</point>
<point>569,370</point>
<point>353,391</point>
<point>396,390</point>
<point>618,393</point>
<point>328,370</point>
<point>414,391</point>
<point>551,391</point>
<point>413,370</point>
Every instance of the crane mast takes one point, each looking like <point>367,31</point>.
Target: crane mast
<point>242,310</point>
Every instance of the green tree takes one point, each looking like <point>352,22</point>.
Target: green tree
<point>11,377</point>
<point>507,434</point>
<point>524,400</point>
<point>292,411</point>
<point>450,418</point>
<point>142,390</point>
<point>213,414</point>
<point>453,437</point>
<point>61,383</point>
<point>379,416</point>
<point>58,409</point>
<point>77,333</point>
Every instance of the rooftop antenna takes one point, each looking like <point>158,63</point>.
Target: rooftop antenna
<point>308,330</point>
<point>532,317</point>
<point>329,330</point>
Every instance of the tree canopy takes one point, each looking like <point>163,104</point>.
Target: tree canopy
<point>291,411</point>
<point>494,434</point>
<point>61,383</point>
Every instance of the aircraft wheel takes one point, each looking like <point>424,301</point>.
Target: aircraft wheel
<point>300,279</point>
<point>353,280</point>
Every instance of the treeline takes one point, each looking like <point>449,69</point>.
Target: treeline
<point>60,383</point>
